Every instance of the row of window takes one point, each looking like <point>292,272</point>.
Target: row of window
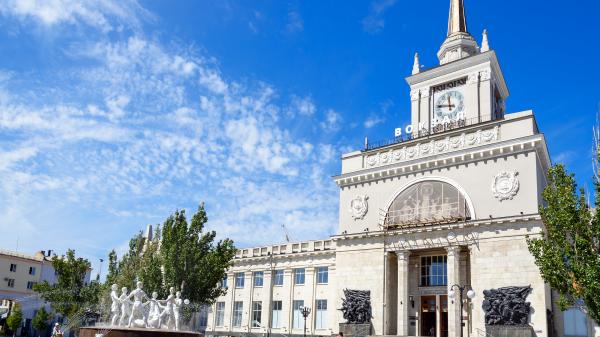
<point>276,314</point>
<point>299,277</point>
<point>11,283</point>
<point>13,269</point>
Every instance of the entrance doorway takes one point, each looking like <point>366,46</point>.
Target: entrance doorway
<point>428,316</point>
<point>434,316</point>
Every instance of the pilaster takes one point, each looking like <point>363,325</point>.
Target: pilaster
<point>453,273</point>
<point>403,267</point>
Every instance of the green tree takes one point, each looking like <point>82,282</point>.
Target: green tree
<point>40,321</point>
<point>182,255</point>
<point>70,295</point>
<point>15,318</point>
<point>192,262</point>
<point>568,252</point>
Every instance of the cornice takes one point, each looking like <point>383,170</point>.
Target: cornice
<point>525,218</point>
<point>437,161</point>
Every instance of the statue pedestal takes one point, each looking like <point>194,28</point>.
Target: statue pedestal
<point>133,332</point>
<point>509,330</point>
<point>355,330</point>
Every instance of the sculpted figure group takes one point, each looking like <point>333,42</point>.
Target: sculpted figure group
<point>130,309</point>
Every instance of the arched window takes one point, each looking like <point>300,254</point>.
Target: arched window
<point>427,202</point>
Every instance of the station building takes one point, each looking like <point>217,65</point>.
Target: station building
<point>449,201</point>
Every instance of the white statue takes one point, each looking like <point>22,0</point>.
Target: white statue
<point>168,308</point>
<point>125,306</point>
<point>154,314</point>
<point>138,309</point>
<point>114,308</point>
<point>178,304</point>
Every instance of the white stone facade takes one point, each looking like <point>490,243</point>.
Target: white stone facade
<point>476,175</point>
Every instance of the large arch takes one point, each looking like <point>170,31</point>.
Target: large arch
<point>430,199</point>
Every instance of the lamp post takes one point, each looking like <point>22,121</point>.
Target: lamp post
<point>452,295</point>
<point>305,312</point>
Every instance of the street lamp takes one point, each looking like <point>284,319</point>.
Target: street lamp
<point>452,295</point>
<point>305,312</point>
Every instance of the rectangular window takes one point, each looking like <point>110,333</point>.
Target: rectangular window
<point>575,323</point>
<point>277,315</point>
<point>220,314</point>
<point>258,278</point>
<point>278,278</point>
<point>238,308</point>
<point>321,314</point>
<point>224,282</point>
<point>322,275</point>
<point>30,285</point>
<point>239,280</point>
<point>299,276</point>
<point>13,267</point>
<point>31,270</point>
<point>11,282</point>
<point>434,271</point>
<point>256,314</point>
<point>298,319</point>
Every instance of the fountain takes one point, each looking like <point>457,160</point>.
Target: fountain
<point>137,315</point>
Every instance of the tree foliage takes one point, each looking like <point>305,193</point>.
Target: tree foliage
<point>568,253</point>
<point>71,293</point>
<point>183,255</point>
<point>15,318</point>
<point>40,320</point>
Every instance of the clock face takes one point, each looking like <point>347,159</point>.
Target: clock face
<point>449,106</point>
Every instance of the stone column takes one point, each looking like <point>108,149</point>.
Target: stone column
<point>403,267</point>
<point>391,291</point>
<point>454,314</point>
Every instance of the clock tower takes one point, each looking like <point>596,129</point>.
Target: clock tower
<point>467,87</point>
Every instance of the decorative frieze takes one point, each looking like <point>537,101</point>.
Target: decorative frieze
<point>433,147</point>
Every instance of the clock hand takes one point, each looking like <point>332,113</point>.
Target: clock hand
<point>449,103</point>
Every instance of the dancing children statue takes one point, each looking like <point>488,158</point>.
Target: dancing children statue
<point>114,307</point>
<point>125,306</point>
<point>154,312</point>
<point>138,308</point>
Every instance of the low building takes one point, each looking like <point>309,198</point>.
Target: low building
<point>424,218</point>
<point>18,274</point>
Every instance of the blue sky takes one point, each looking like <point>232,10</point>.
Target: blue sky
<point>115,113</point>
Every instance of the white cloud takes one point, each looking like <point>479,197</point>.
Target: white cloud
<point>374,22</point>
<point>295,22</point>
<point>302,105</point>
<point>373,121</point>
<point>332,121</point>
<point>105,15</point>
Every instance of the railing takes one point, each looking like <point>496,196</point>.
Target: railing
<point>424,132</point>
<point>428,215</point>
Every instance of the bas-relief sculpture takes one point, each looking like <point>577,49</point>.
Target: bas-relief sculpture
<point>356,307</point>
<point>505,185</point>
<point>153,313</point>
<point>359,207</point>
<point>506,306</point>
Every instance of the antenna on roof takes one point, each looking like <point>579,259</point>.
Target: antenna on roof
<point>287,235</point>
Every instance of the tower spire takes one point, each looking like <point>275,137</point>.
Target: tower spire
<point>457,21</point>
<point>459,43</point>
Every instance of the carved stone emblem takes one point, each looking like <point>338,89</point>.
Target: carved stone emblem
<point>505,185</point>
<point>359,206</point>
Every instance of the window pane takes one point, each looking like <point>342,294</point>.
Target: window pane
<point>322,275</point>
<point>298,319</point>
<point>277,314</point>
<point>278,278</point>
<point>239,280</point>
<point>299,276</point>
<point>238,308</point>
<point>258,278</point>
<point>256,314</point>
<point>321,314</point>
